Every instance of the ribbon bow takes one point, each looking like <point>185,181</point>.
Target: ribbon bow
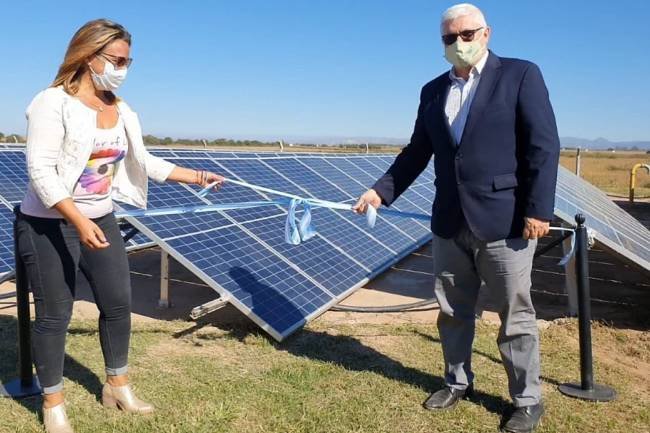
<point>298,230</point>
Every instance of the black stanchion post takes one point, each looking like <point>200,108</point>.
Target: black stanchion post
<point>587,389</point>
<point>26,385</point>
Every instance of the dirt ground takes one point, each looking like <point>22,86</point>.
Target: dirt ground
<point>620,296</point>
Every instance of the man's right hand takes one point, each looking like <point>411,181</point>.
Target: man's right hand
<point>369,197</point>
<point>90,234</point>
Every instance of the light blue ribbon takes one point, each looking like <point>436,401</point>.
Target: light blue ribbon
<point>198,209</point>
<point>298,230</point>
<point>570,253</point>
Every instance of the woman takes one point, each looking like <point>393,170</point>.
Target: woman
<point>84,149</point>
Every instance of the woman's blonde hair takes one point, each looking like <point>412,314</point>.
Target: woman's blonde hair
<point>89,40</point>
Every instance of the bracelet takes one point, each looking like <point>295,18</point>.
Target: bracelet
<point>200,177</point>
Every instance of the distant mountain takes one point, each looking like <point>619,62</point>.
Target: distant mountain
<point>584,143</point>
<point>333,140</point>
<point>603,143</point>
<point>328,140</point>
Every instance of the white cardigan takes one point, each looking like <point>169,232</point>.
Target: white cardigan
<point>60,140</point>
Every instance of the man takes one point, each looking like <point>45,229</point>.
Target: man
<point>491,127</point>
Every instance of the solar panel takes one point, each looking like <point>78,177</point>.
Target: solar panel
<point>163,153</point>
<point>13,176</point>
<point>330,266</point>
<point>6,240</point>
<point>613,227</point>
<point>277,296</point>
<point>310,182</point>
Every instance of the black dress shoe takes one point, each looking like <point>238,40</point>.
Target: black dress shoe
<point>446,398</point>
<point>524,419</point>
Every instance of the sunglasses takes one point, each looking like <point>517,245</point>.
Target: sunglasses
<point>465,35</point>
<point>117,61</point>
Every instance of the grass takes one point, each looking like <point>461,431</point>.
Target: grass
<point>611,171</point>
<point>326,378</point>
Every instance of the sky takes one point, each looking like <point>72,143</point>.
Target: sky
<point>321,68</point>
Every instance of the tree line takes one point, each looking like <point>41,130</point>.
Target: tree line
<point>11,138</point>
<point>152,140</point>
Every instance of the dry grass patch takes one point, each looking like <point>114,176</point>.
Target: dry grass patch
<point>326,378</point>
<point>611,171</point>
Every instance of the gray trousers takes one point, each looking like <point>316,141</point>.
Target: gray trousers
<point>460,263</point>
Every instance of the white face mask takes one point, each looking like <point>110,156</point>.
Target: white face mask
<point>110,79</point>
<point>463,54</point>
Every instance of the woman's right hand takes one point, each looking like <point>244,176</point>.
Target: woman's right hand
<point>90,234</point>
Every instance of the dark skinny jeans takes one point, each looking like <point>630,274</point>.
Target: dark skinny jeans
<point>53,253</point>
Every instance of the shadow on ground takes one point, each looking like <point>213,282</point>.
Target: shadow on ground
<point>73,370</point>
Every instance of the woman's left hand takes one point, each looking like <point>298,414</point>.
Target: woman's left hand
<point>207,178</point>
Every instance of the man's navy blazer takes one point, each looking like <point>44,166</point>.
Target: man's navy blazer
<point>505,166</point>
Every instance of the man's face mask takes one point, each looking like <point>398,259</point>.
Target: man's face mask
<point>466,51</point>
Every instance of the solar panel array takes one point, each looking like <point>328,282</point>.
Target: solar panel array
<point>242,253</point>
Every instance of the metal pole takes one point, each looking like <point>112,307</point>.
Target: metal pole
<point>578,162</point>
<point>633,178</point>
<point>26,385</point>
<point>163,302</point>
<point>584,306</point>
<point>22,305</point>
<point>587,389</point>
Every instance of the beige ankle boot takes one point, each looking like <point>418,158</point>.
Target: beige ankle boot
<point>122,397</point>
<point>55,420</point>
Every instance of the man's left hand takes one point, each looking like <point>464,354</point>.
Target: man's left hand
<point>535,229</point>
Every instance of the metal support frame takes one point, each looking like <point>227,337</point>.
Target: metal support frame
<point>26,384</point>
<point>164,302</point>
<point>586,389</point>
<point>208,307</point>
<point>131,231</point>
<point>8,276</point>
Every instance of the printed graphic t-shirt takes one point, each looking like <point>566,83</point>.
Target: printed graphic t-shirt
<point>92,194</point>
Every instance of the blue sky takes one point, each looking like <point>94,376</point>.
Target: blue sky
<point>331,68</point>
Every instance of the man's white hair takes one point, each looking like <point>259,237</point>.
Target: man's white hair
<point>462,10</point>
